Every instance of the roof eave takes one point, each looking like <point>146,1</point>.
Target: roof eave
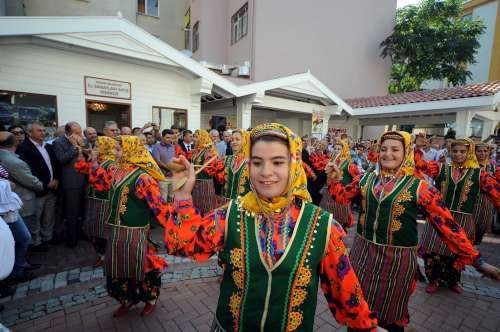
<point>457,104</point>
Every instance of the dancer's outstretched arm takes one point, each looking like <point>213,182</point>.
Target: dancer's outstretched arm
<point>435,210</point>
<point>341,285</point>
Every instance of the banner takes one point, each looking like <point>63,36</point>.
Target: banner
<point>317,122</point>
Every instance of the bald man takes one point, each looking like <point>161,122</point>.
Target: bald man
<point>90,137</point>
<point>111,129</point>
<point>126,131</point>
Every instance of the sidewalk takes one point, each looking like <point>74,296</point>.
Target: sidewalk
<point>75,299</point>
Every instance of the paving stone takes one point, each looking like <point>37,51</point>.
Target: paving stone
<point>49,276</point>
<point>73,281</point>
<point>26,314</point>
<point>75,271</point>
<point>53,302</point>
<point>5,299</point>
<point>85,276</point>
<point>35,283</point>
<point>47,285</point>
<point>99,273</point>
<point>60,283</point>
<point>54,309</point>
<point>20,293</point>
<point>22,320</point>
<point>66,297</point>
<point>37,314</point>
<point>69,304</point>
<point>62,275</point>
<point>86,269</point>
<point>41,308</point>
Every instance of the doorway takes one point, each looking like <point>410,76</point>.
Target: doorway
<point>98,112</point>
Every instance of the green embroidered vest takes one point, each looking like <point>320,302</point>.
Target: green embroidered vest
<point>254,297</point>
<point>346,176</point>
<point>199,159</point>
<point>125,208</point>
<point>459,196</point>
<point>393,219</point>
<point>236,183</point>
<point>94,193</point>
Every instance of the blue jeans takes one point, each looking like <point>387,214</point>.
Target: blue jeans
<point>22,237</point>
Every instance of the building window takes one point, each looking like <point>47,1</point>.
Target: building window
<point>239,24</point>
<point>167,117</point>
<point>148,7</point>
<point>23,108</point>
<point>196,36</point>
<point>187,30</point>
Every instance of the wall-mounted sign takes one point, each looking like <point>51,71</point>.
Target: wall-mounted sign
<point>336,132</point>
<point>102,87</point>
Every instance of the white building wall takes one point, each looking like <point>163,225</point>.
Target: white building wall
<point>480,70</point>
<point>168,26</point>
<point>44,70</point>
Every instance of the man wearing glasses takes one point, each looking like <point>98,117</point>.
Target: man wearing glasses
<point>19,132</point>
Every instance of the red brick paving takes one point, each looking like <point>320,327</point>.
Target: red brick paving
<point>190,306</point>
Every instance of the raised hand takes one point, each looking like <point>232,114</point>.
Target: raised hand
<point>187,175</point>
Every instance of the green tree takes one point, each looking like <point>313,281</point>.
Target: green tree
<point>431,40</point>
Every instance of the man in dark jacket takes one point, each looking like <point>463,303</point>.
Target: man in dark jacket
<point>43,164</point>
<point>73,184</point>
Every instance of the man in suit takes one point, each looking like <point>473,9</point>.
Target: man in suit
<point>67,150</point>
<point>43,164</point>
<point>186,146</point>
<point>25,186</point>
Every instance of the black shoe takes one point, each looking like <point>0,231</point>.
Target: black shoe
<point>32,267</point>
<point>71,244</point>
<point>82,236</point>
<point>55,242</point>
<point>6,291</point>
<point>39,248</point>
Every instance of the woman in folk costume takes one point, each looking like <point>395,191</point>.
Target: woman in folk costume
<point>204,192</point>
<point>483,209</point>
<point>133,271</point>
<point>96,216</point>
<point>275,244</point>
<point>341,159</point>
<point>236,181</point>
<point>384,252</point>
<point>460,183</point>
<point>318,161</point>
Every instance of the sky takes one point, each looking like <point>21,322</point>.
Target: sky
<point>402,3</point>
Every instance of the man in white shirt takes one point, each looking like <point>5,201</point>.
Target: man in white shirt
<point>43,164</point>
<point>220,146</point>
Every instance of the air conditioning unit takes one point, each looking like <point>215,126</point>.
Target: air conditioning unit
<point>226,70</point>
<point>243,71</point>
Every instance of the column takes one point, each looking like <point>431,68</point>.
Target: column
<point>243,113</point>
<point>488,128</point>
<point>199,88</point>
<point>326,120</point>
<point>462,123</point>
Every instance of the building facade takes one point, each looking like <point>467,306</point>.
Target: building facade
<point>161,18</point>
<point>487,66</point>
<point>338,41</point>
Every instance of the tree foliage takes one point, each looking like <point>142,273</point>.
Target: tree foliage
<point>431,40</point>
